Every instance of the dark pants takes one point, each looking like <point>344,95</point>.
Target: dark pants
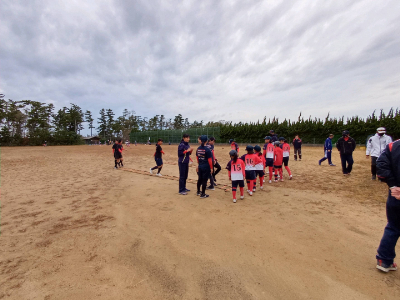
<point>297,151</point>
<point>373,165</point>
<point>203,174</point>
<point>386,250</point>
<point>217,169</point>
<point>183,175</point>
<point>347,158</point>
<point>328,156</point>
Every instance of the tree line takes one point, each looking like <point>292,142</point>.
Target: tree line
<point>28,122</point>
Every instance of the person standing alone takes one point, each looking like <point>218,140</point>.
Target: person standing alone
<point>328,151</point>
<point>376,145</point>
<point>297,147</point>
<point>346,146</point>
<point>388,170</point>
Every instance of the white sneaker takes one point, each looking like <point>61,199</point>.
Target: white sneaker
<point>248,191</point>
<point>151,171</point>
<point>270,181</point>
<point>251,193</point>
<point>159,174</point>
<point>263,180</point>
<point>290,177</point>
<point>261,187</point>
<point>234,200</point>
<point>254,190</point>
<point>242,197</point>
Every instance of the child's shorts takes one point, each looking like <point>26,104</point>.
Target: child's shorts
<point>269,162</point>
<point>278,167</point>
<point>286,161</point>
<point>235,183</point>
<point>159,162</point>
<point>250,175</point>
<point>260,173</point>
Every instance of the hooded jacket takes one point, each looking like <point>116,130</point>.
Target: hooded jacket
<point>376,144</point>
<point>388,164</point>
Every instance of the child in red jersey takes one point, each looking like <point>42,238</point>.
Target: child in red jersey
<point>234,146</point>
<point>236,172</point>
<point>278,159</point>
<point>269,156</point>
<point>286,153</point>
<point>250,160</point>
<point>259,168</point>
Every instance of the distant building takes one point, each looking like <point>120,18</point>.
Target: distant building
<point>92,140</point>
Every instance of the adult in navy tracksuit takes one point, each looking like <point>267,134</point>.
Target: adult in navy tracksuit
<point>274,136</point>
<point>388,170</point>
<point>184,151</point>
<point>328,151</point>
<point>346,146</point>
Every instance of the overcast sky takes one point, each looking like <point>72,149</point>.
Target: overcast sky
<point>208,60</point>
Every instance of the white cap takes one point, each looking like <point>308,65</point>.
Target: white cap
<point>381,130</point>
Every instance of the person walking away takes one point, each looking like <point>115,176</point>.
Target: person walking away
<point>204,168</point>
<point>117,154</point>
<point>234,145</point>
<point>297,147</point>
<point>388,170</point>
<point>158,158</point>
<point>376,145</point>
<point>346,146</point>
<point>278,159</point>
<point>269,156</point>
<point>327,151</point>
<point>250,160</point>
<point>259,168</point>
<point>184,152</point>
<point>236,173</point>
<point>286,153</point>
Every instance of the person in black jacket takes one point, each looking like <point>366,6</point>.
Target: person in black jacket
<point>346,146</point>
<point>297,147</point>
<point>388,170</point>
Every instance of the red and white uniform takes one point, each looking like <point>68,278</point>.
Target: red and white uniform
<point>278,156</point>
<point>260,166</point>
<point>269,150</point>
<point>236,170</point>
<point>251,160</point>
<point>286,149</point>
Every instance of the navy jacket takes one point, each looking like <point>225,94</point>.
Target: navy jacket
<point>328,144</point>
<point>388,164</point>
<point>297,143</point>
<point>183,156</point>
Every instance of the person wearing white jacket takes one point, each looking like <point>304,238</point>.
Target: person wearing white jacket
<point>375,146</point>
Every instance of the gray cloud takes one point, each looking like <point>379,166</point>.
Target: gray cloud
<point>208,60</point>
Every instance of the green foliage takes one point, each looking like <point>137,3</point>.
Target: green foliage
<point>174,136</point>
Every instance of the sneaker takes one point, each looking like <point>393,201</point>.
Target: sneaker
<point>159,174</point>
<point>281,179</point>
<point>332,165</point>
<point>373,177</point>
<point>151,171</point>
<point>116,168</point>
<point>198,193</point>
<point>275,180</point>
<point>242,197</point>
<point>204,196</point>
<point>290,177</point>
<point>254,190</point>
<point>182,193</point>
<point>251,193</point>
<point>300,159</point>
<point>261,187</point>
<point>384,267</point>
<point>263,180</point>
<point>215,184</point>
<point>248,191</point>
<point>186,190</point>
<point>234,200</point>
<point>270,181</point>
<point>211,188</point>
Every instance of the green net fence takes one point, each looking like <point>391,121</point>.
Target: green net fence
<point>174,136</point>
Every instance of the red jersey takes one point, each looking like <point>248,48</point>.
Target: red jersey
<point>269,150</point>
<point>278,156</point>
<point>286,149</point>
<point>261,165</point>
<point>251,160</point>
<point>236,170</point>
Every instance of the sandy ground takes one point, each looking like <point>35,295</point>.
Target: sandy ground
<point>74,228</point>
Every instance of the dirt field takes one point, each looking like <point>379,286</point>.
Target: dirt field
<point>72,227</point>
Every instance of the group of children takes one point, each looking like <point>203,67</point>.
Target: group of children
<point>252,165</point>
